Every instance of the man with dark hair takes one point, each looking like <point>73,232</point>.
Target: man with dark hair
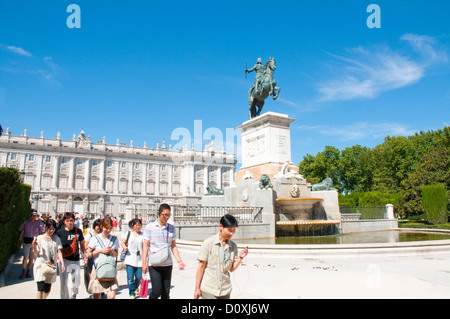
<point>160,236</point>
<point>217,258</point>
<point>228,221</point>
<point>72,240</point>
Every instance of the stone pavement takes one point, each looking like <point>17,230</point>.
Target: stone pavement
<point>272,277</point>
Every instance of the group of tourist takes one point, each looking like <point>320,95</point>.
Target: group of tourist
<point>146,253</point>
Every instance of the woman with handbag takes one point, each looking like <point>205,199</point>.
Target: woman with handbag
<point>132,255</point>
<point>90,261</point>
<point>107,245</point>
<point>159,241</point>
<point>47,249</point>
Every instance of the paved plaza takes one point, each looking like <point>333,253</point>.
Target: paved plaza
<point>275,277</point>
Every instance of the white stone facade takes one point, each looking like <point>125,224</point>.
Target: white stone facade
<point>102,179</point>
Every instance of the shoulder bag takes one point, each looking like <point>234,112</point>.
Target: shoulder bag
<point>159,257</point>
<point>70,250</point>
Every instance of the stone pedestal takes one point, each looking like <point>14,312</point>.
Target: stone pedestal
<point>266,145</point>
<point>390,211</point>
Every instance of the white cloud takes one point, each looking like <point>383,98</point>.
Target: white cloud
<point>366,73</point>
<point>16,50</point>
<point>361,130</point>
<point>427,47</point>
<point>17,60</point>
<point>297,106</point>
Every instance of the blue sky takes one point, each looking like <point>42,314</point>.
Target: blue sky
<point>137,70</point>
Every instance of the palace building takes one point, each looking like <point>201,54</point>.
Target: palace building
<point>97,179</point>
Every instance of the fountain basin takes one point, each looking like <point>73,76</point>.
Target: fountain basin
<point>299,208</point>
<point>308,222</point>
<point>294,204</point>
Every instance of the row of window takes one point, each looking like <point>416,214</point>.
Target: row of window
<point>80,161</point>
<point>94,184</point>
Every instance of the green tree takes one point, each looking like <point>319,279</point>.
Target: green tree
<point>394,160</point>
<point>424,142</point>
<point>356,169</point>
<point>307,168</point>
<point>399,164</point>
<point>325,164</point>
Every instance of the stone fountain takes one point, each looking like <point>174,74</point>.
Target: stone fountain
<point>300,211</point>
<point>268,179</point>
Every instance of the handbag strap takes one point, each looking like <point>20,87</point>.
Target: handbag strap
<point>128,236</point>
<point>111,242</point>
<point>74,242</point>
<point>167,237</point>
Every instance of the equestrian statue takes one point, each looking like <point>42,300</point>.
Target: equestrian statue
<point>264,86</point>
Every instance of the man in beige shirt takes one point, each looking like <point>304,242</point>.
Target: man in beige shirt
<point>218,257</point>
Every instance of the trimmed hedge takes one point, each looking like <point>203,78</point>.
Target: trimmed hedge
<point>434,199</point>
<point>373,198</point>
<point>14,210</point>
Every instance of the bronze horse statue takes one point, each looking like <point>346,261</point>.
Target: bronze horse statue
<point>267,86</point>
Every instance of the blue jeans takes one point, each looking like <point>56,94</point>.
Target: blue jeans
<point>134,276</point>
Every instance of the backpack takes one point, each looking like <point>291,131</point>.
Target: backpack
<point>106,269</point>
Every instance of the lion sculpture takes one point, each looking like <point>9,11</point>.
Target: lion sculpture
<point>264,182</point>
<point>213,190</point>
<point>324,185</point>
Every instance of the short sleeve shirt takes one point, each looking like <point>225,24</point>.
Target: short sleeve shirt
<point>30,229</point>
<point>67,238</point>
<point>48,249</point>
<point>216,278</point>
<point>47,252</point>
<point>134,253</point>
<point>160,237</point>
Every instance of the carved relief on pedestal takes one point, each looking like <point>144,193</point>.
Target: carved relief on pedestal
<point>256,146</point>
